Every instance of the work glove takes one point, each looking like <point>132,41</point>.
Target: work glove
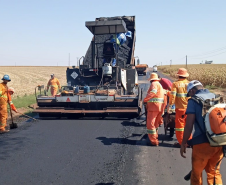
<point>13,108</point>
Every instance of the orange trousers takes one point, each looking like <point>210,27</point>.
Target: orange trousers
<point>180,121</point>
<point>153,122</point>
<point>3,116</point>
<point>206,157</point>
<point>53,91</point>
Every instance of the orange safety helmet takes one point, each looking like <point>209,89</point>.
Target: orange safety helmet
<point>153,76</point>
<point>182,72</point>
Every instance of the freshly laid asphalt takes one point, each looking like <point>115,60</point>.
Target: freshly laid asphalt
<point>99,152</point>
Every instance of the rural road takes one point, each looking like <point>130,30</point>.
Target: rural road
<point>90,152</point>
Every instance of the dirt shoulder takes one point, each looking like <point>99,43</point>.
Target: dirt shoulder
<point>19,117</point>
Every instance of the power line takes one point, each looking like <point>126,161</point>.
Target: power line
<point>209,52</point>
<point>209,56</point>
<point>202,56</point>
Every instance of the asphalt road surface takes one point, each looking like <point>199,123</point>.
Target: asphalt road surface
<point>90,152</point>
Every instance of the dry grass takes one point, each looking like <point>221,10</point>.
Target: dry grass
<point>213,75</point>
<point>25,79</point>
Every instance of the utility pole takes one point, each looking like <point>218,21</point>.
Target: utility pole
<point>186,62</point>
<point>77,62</point>
<point>69,61</point>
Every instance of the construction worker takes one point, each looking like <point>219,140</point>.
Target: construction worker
<point>178,97</point>
<point>54,84</point>
<point>121,37</point>
<point>203,155</point>
<point>5,96</point>
<point>154,103</point>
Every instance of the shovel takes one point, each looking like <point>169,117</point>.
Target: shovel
<point>27,116</point>
<point>12,125</point>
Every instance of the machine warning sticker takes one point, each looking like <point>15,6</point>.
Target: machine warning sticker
<point>74,75</point>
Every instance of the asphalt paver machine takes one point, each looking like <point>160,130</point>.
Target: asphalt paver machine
<point>105,83</point>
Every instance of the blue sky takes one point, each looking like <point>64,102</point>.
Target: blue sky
<point>44,32</point>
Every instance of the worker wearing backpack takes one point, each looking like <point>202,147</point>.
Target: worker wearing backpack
<point>204,156</point>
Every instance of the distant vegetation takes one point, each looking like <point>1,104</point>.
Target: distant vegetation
<point>213,75</point>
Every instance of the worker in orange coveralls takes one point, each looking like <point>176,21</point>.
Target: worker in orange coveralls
<point>11,92</point>
<point>5,97</point>
<point>204,156</point>
<point>154,102</point>
<point>54,84</point>
<point>178,97</point>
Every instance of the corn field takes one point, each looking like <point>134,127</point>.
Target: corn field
<point>208,74</point>
<point>25,79</point>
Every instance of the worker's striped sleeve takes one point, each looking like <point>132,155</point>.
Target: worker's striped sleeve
<point>154,91</point>
<point>4,96</point>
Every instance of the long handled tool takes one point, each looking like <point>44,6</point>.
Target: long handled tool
<point>12,125</point>
<point>27,116</point>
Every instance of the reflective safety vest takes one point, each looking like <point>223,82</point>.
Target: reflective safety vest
<point>155,97</point>
<point>178,94</point>
<point>53,83</point>
<point>4,98</point>
<point>3,94</point>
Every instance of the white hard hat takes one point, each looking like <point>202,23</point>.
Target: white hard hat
<point>11,89</point>
<point>192,84</point>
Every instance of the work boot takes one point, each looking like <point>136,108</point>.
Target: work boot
<point>177,145</point>
<point>149,143</point>
<point>3,131</point>
<point>188,176</point>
